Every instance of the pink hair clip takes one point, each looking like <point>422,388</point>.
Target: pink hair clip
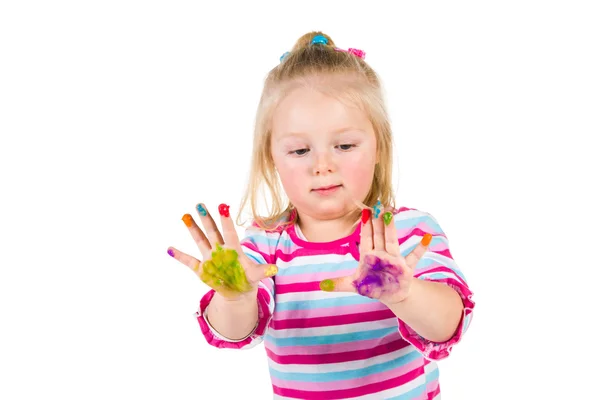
<point>356,52</point>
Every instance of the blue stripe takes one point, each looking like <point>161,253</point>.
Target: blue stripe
<point>272,243</point>
<point>348,265</point>
<point>350,300</point>
<point>467,322</point>
<point>348,374</point>
<point>329,339</point>
<point>432,375</point>
<point>256,257</point>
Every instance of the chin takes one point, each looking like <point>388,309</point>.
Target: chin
<point>327,209</point>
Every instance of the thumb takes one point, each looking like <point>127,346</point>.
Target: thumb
<point>261,271</point>
<point>342,284</point>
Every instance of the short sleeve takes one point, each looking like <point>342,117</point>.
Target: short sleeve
<point>438,265</point>
<point>258,245</point>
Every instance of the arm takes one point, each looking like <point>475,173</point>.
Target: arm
<point>432,309</point>
<point>233,319</point>
<point>438,309</point>
<point>241,323</point>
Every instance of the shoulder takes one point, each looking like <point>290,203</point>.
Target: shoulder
<point>416,221</point>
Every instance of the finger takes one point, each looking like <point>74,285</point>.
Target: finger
<point>197,235</point>
<point>191,262</point>
<point>366,232</point>
<point>413,258</point>
<point>212,232</point>
<point>378,230</point>
<point>391,234</point>
<point>230,235</point>
<point>261,271</point>
<point>343,284</point>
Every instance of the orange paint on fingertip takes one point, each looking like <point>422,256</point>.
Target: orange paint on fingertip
<point>187,220</point>
<point>426,239</point>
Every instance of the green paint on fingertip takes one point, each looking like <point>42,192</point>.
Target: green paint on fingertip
<point>327,285</point>
<point>387,217</point>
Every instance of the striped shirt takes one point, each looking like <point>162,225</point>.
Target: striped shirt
<point>333,345</point>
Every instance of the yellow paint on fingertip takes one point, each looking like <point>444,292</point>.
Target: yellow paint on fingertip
<point>271,271</point>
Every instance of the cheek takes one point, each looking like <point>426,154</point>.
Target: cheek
<point>359,168</point>
<point>288,170</point>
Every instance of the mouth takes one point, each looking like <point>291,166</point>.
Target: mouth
<point>327,189</point>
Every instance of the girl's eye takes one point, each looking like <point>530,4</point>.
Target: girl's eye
<point>346,146</point>
<point>299,152</point>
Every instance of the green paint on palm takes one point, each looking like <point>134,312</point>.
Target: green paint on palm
<point>224,270</point>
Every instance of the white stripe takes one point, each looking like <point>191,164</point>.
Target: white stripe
<point>445,261</point>
<point>342,366</point>
<point>432,366</point>
<point>314,260</point>
<point>335,330</point>
<point>307,296</point>
<point>271,302</point>
<point>409,214</point>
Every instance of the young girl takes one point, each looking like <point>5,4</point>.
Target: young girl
<point>353,298</point>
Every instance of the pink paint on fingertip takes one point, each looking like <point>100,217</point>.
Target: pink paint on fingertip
<point>171,253</point>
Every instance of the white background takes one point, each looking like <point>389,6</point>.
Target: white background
<point>117,117</point>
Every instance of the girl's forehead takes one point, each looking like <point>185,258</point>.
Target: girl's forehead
<point>308,110</point>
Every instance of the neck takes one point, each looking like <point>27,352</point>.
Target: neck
<point>327,230</point>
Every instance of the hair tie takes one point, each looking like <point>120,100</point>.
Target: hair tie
<point>319,39</point>
<point>358,53</point>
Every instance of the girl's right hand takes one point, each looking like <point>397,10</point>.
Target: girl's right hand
<point>225,268</point>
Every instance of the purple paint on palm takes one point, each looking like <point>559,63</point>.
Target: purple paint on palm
<point>379,277</point>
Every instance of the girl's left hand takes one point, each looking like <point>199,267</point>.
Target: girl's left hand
<point>382,272</point>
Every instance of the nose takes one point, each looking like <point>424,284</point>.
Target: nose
<point>323,164</point>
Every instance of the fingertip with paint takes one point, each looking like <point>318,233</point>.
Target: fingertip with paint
<point>366,214</point>
<point>327,285</point>
<point>201,209</point>
<point>426,239</point>
<point>387,217</point>
<point>171,252</point>
<point>187,220</point>
<point>271,271</point>
<point>224,210</point>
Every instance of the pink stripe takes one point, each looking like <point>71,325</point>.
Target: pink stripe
<point>352,383</point>
<point>332,320</point>
<point>327,311</point>
<point>268,282</point>
<point>419,230</point>
<point>432,387</point>
<point>431,395</point>
<point>349,393</point>
<point>264,253</point>
<point>330,348</point>
<point>298,287</point>
<point>332,358</point>
<point>307,278</point>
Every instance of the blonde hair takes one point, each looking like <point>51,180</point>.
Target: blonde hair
<point>340,74</point>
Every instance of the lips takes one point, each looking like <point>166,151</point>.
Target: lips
<point>327,187</point>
